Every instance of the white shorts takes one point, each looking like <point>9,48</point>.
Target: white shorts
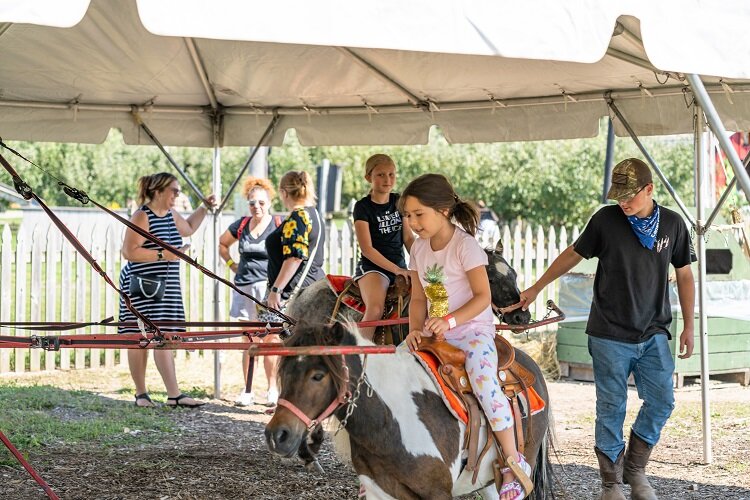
<point>244,308</point>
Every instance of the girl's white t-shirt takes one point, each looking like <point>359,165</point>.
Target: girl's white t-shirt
<point>460,255</point>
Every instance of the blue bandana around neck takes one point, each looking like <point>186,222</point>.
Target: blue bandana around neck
<point>646,228</point>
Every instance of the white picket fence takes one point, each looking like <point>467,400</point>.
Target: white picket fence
<point>42,278</point>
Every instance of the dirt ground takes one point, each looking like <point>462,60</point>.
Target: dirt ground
<point>219,451</point>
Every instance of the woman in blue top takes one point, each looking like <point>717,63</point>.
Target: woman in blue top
<point>251,272</point>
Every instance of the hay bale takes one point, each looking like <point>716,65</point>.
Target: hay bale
<point>541,346</point>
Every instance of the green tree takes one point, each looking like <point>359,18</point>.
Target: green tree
<point>544,182</point>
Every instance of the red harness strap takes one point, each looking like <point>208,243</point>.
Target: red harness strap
<point>51,494</point>
<point>343,397</point>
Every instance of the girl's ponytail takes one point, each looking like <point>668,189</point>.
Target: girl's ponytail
<point>467,215</point>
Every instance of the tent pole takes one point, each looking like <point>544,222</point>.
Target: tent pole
<point>171,160</point>
<point>216,218</point>
<point>263,139</point>
<point>700,231</point>
<point>652,162</point>
<point>717,127</point>
<point>323,171</point>
<point>609,159</point>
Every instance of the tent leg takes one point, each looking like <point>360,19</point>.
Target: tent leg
<point>609,159</point>
<point>169,158</point>
<point>216,219</point>
<point>263,139</point>
<point>717,127</point>
<point>700,230</point>
<point>651,161</point>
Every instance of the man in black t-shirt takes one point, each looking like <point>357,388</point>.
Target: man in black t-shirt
<point>628,327</point>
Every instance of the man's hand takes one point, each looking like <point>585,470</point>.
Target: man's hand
<point>686,343</point>
<point>528,297</point>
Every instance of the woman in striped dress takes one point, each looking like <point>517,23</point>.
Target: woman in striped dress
<point>156,197</point>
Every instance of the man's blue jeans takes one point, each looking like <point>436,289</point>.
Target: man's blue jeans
<point>652,366</point>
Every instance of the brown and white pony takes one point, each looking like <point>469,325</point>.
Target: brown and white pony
<point>402,440</point>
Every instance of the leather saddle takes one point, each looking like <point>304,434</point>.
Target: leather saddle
<point>397,296</point>
<point>514,380</point>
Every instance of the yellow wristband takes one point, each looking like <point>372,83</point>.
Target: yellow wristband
<point>230,263</point>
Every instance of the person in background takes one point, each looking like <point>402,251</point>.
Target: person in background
<point>296,248</point>
<point>628,326</point>
<point>381,236</point>
<point>156,197</point>
<point>251,271</point>
<point>488,219</point>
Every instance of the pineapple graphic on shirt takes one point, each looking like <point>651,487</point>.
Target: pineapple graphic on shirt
<point>436,292</point>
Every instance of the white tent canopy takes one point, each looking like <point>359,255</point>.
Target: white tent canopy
<point>364,73</point>
<point>217,73</point>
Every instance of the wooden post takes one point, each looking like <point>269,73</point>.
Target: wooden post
<point>332,252</point>
<point>21,287</point>
<point>50,286</point>
<point>539,267</point>
<point>346,250</point>
<point>98,243</point>
<point>110,255</point>
<point>528,263</point>
<point>66,295</point>
<point>36,289</point>
<point>82,287</point>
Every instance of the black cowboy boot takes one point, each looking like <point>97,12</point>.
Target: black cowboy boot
<point>611,474</point>
<point>636,458</point>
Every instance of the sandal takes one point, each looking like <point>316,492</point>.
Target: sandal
<point>144,397</point>
<point>177,402</point>
<point>521,486</point>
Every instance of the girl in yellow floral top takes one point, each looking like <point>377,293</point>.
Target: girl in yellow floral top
<point>300,237</point>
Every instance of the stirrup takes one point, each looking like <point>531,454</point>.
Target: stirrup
<point>521,476</point>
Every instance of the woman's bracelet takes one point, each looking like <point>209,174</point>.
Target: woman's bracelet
<point>230,263</point>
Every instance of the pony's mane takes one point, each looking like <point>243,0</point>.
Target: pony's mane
<point>306,334</point>
<point>309,334</point>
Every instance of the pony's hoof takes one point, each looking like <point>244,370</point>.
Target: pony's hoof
<point>314,466</point>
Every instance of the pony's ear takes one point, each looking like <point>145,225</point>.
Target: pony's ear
<point>499,247</point>
<point>338,331</point>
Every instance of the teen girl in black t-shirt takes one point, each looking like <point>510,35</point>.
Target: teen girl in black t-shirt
<point>382,236</point>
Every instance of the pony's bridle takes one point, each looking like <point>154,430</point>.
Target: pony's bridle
<point>501,311</point>
<point>344,396</point>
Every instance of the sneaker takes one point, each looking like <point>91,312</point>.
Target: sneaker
<point>272,397</point>
<point>245,399</point>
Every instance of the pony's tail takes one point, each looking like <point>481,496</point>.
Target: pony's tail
<point>544,475</point>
